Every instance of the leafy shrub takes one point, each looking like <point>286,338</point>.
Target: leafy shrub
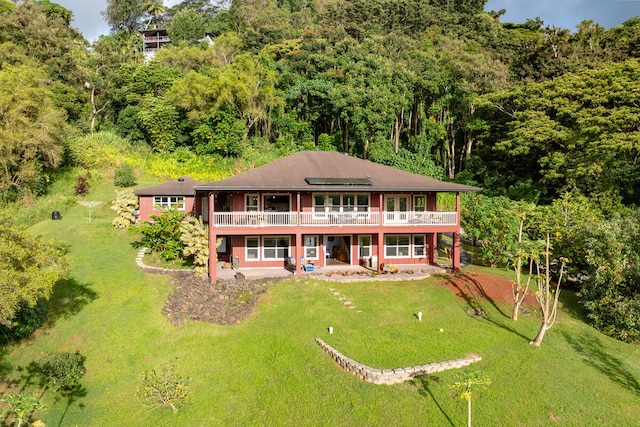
<point>610,294</point>
<point>196,244</point>
<point>125,205</point>
<point>61,371</point>
<point>20,407</point>
<point>162,235</point>
<point>164,387</point>
<point>82,184</point>
<point>123,176</point>
<point>25,322</point>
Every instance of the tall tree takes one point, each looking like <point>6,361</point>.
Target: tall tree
<point>125,15</point>
<point>31,129</point>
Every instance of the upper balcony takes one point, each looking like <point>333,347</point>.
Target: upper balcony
<point>156,39</point>
<point>338,219</point>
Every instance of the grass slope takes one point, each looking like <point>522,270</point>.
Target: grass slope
<point>269,370</point>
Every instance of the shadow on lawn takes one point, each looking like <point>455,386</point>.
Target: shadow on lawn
<point>597,356</point>
<point>69,297</point>
<point>422,384</point>
<point>469,291</point>
<point>33,376</point>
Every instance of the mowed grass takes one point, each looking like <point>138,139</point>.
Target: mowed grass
<point>269,370</point>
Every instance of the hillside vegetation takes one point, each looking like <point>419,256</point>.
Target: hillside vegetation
<point>543,119</point>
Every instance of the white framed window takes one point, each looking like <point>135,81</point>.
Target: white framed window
<point>419,203</point>
<point>251,203</point>
<point>397,246</point>
<point>419,245</point>
<point>348,202</point>
<point>169,202</point>
<point>364,244</point>
<point>311,247</point>
<point>275,247</point>
<point>252,248</point>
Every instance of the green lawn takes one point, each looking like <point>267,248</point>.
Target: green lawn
<point>269,370</point>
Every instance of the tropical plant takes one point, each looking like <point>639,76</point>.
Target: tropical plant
<point>195,238</point>
<point>125,205</point>
<point>162,235</point>
<point>163,386</point>
<point>466,385</point>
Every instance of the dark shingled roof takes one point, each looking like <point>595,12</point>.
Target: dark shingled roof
<point>183,186</point>
<point>340,172</point>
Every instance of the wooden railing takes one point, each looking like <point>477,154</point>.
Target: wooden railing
<point>339,219</point>
<point>156,39</point>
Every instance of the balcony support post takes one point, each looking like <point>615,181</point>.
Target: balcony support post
<point>297,251</point>
<point>213,255</point>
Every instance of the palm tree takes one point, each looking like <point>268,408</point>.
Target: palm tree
<point>156,10</point>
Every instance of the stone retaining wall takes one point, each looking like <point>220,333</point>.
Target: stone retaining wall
<point>393,376</point>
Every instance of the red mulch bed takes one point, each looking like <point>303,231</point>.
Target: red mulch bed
<point>471,286</point>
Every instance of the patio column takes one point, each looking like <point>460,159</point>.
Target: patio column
<point>432,241</point>
<point>455,244</point>
<point>455,256</point>
<point>380,250</point>
<point>212,242</point>
<point>298,253</point>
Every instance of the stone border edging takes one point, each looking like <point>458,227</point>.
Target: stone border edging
<point>159,270</point>
<point>393,376</point>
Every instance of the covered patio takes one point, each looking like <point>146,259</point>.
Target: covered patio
<point>330,272</point>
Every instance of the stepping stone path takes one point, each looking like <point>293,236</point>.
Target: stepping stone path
<point>344,300</point>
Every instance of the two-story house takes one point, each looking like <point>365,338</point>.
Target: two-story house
<point>153,39</point>
<point>329,208</point>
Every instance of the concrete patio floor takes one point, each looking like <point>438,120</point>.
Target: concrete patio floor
<point>331,272</point>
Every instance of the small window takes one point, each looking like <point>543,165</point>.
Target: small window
<point>251,203</point>
<point>420,204</point>
<point>252,248</point>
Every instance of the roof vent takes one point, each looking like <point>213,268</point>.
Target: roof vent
<point>181,179</point>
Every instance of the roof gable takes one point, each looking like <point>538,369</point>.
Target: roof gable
<point>330,171</point>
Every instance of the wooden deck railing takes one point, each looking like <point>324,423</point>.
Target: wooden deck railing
<point>311,219</point>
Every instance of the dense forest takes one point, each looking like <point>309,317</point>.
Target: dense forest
<point>544,119</point>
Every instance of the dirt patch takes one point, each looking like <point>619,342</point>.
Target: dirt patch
<point>471,286</point>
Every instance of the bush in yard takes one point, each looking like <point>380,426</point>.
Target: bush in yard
<point>82,184</point>
<point>61,371</point>
<point>125,205</point>
<point>163,386</point>
<point>610,293</point>
<point>123,176</point>
<point>162,235</point>
<point>196,244</point>
<point>25,322</point>
<point>19,408</point>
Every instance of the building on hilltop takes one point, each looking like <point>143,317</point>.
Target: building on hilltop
<point>152,40</point>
